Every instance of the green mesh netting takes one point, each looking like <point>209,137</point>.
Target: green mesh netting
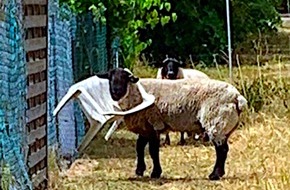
<point>90,52</point>
<point>77,48</point>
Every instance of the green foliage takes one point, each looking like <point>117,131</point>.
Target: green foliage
<point>181,27</point>
<point>201,27</point>
<point>6,177</point>
<point>254,94</point>
<point>124,18</point>
<point>143,70</point>
<point>251,16</point>
<point>264,91</point>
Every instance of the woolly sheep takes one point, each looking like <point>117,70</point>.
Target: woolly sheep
<point>171,70</point>
<point>146,123</point>
<point>212,105</point>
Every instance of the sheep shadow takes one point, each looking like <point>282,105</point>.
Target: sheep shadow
<point>116,147</point>
<point>203,181</point>
<point>166,179</point>
<point>189,143</point>
<point>124,146</point>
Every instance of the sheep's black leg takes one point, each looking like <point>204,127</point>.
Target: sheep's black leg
<point>189,134</point>
<point>140,149</point>
<point>221,156</point>
<point>167,139</point>
<point>182,141</point>
<point>154,153</point>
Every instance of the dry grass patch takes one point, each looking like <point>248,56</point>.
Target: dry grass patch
<point>258,159</point>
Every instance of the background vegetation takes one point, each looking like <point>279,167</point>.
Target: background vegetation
<point>179,28</point>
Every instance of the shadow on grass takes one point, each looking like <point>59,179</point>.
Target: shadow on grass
<point>183,179</point>
<point>116,147</point>
<point>190,143</point>
<point>164,180</point>
<point>121,147</point>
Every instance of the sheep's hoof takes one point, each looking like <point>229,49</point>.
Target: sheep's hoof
<point>189,134</point>
<point>156,174</point>
<point>205,137</point>
<point>167,142</point>
<point>181,143</point>
<point>216,174</point>
<point>162,144</point>
<point>140,171</point>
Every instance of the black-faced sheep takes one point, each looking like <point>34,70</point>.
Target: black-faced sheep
<point>212,105</point>
<point>147,123</point>
<point>171,70</point>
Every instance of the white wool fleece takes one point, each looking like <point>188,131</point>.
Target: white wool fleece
<point>185,73</point>
<point>214,104</point>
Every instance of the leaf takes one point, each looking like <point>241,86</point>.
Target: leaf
<point>92,8</point>
<point>165,20</point>
<point>149,42</point>
<point>103,19</point>
<point>146,4</point>
<point>167,6</point>
<point>174,17</point>
<point>154,13</point>
<point>139,23</point>
<point>161,6</point>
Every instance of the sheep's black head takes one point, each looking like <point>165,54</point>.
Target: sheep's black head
<point>170,68</point>
<point>118,80</point>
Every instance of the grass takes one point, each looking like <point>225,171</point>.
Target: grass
<point>258,157</point>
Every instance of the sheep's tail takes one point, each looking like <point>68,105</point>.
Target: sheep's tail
<point>241,103</point>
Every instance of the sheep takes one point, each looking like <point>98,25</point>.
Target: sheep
<point>171,70</point>
<point>147,123</point>
<point>210,104</point>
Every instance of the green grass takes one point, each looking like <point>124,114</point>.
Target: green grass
<point>258,157</point>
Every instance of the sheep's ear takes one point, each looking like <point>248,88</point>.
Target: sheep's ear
<point>133,79</point>
<point>103,75</point>
<point>165,61</point>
